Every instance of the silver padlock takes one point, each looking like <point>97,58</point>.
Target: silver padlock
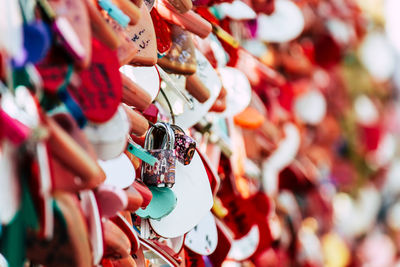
<point>162,174</point>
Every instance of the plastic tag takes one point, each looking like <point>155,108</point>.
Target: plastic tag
<point>114,12</point>
<point>225,36</point>
<point>162,204</point>
<point>141,153</point>
<point>203,238</point>
<point>100,92</point>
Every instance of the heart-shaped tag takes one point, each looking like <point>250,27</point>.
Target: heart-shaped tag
<point>127,49</point>
<point>109,139</point>
<point>194,200</point>
<point>237,10</point>
<point>163,33</point>
<point>249,118</point>
<point>180,59</point>
<point>144,36</point>
<point>246,217</point>
<point>240,217</point>
<point>119,171</point>
<point>110,200</point>
<point>283,25</point>
<point>162,203</point>
<point>75,11</point>
<point>246,246</point>
<point>100,91</point>
<point>146,77</point>
<point>210,79</point>
<point>203,238</point>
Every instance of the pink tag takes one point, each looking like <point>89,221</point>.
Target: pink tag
<point>12,129</point>
<point>111,200</point>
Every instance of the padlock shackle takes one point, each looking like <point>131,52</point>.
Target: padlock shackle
<point>170,137</point>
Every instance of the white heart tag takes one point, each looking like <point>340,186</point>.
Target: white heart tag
<point>236,10</point>
<point>109,139</point>
<point>146,77</point>
<point>245,247</point>
<point>203,238</point>
<point>285,24</point>
<point>194,200</point>
<point>119,171</point>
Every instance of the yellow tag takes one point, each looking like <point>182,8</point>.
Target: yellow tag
<point>224,35</point>
<point>218,208</point>
<point>47,9</point>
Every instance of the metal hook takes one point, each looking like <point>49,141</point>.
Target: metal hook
<point>169,105</point>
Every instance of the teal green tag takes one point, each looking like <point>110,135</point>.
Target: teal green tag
<point>141,153</point>
<point>114,12</point>
<point>162,204</point>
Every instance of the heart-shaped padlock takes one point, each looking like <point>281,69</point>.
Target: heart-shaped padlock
<point>162,174</point>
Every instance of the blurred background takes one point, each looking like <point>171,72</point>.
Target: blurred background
<point>310,174</point>
<point>342,85</point>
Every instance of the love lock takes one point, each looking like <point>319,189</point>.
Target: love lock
<point>162,174</point>
<point>185,146</point>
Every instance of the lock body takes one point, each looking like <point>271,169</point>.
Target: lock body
<point>162,173</point>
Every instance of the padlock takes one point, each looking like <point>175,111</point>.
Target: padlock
<point>185,146</point>
<point>162,174</point>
